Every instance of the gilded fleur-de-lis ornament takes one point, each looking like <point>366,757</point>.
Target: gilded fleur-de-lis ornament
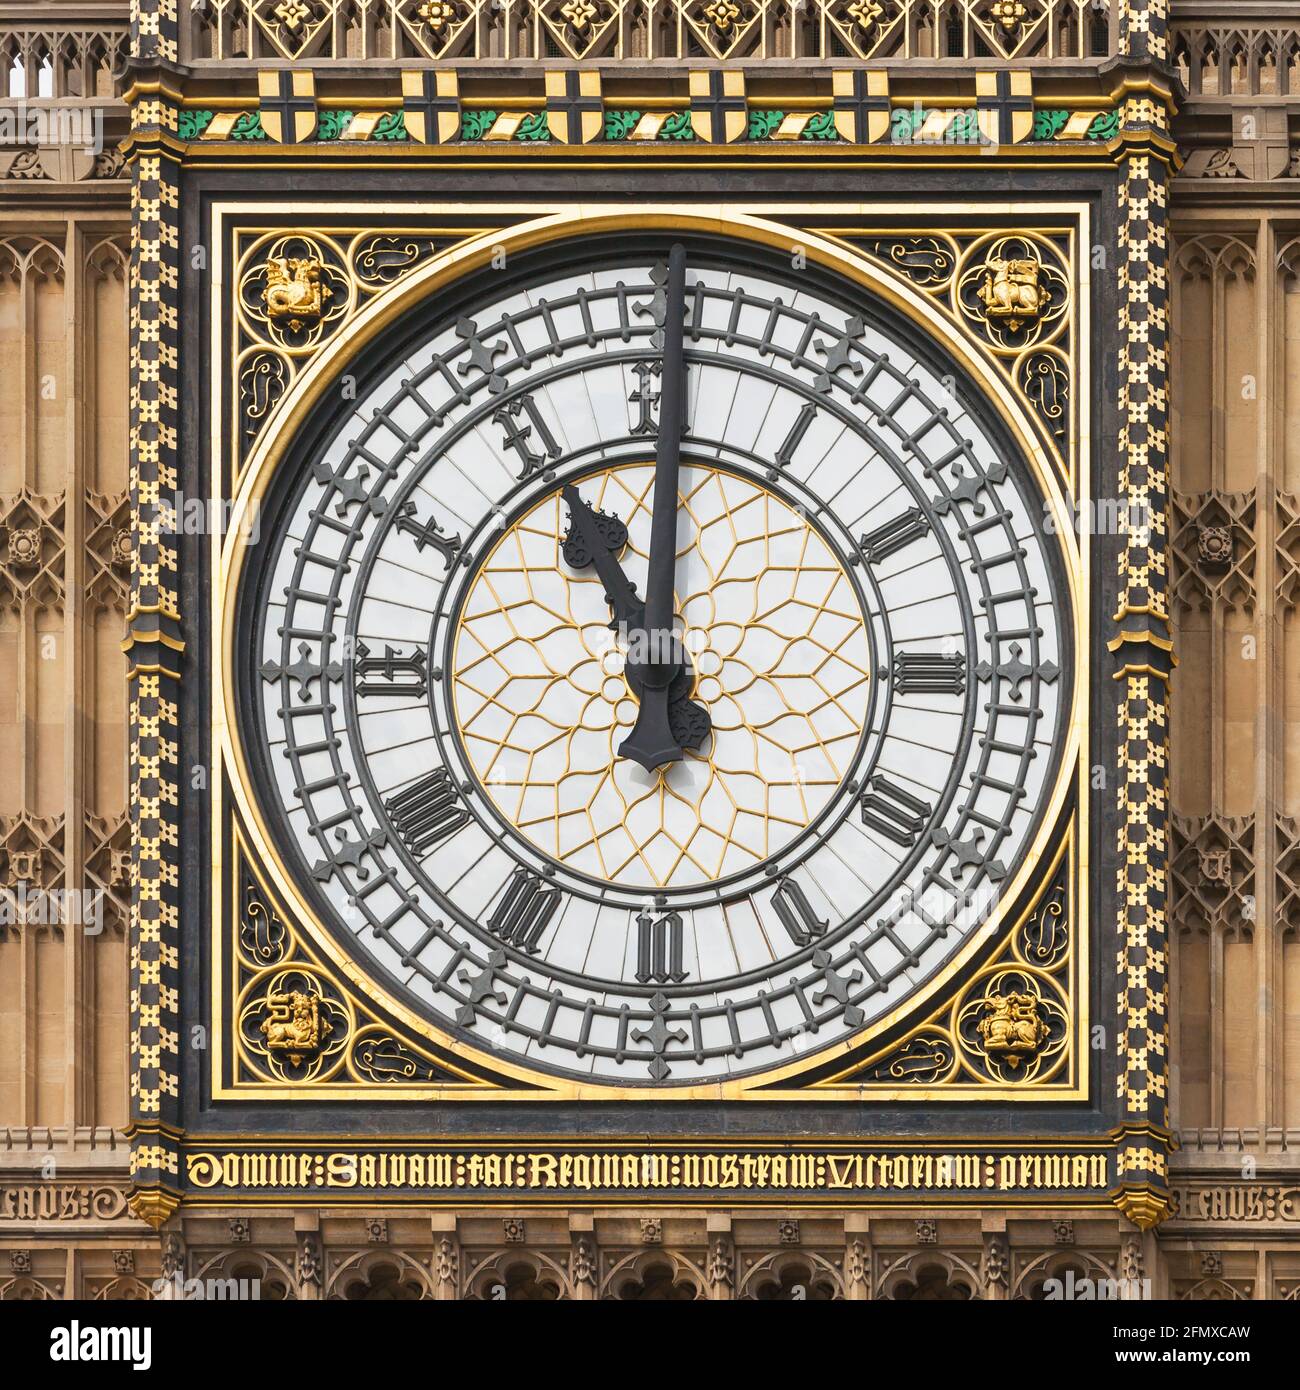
<point>1009,14</point>
<point>579,13</point>
<point>865,14</point>
<point>437,14</point>
<point>722,14</point>
<point>293,14</point>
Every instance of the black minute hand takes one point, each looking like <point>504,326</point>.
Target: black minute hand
<point>653,661</point>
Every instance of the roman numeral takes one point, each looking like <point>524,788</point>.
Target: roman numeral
<point>791,905</point>
<point>929,673</point>
<point>797,431</point>
<point>427,811</point>
<point>659,948</point>
<point>881,543</point>
<point>517,436</point>
<point>645,397</point>
<point>394,673</point>
<point>526,907</point>
<point>427,533</point>
<point>894,812</point>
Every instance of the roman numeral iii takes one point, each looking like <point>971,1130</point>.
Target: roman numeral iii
<point>929,673</point>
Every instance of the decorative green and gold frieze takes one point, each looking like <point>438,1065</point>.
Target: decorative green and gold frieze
<point>571,108</point>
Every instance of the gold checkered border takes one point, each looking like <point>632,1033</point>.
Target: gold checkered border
<point>1142,642</point>
<point>153,641</point>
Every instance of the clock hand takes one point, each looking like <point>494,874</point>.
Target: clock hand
<point>594,540</point>
<point>652,741</point>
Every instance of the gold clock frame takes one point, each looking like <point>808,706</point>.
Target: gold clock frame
<point>1065,490</point>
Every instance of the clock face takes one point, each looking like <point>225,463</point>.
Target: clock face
<point>870,618</point>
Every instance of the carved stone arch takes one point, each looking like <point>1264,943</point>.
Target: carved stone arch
<point>275,1279</point>
<point>1182,60</point>
<point>379,1276</point>
<point>518,1276</point>
<point>779,1277</point>
<point>67,58</point>
<point>1288,263</point>
<point>1234,64</point>
<point>1288,63</point>
<point>1268,62</point>
<point>126,1288</point>
<point>1215,1291</point>
<point>654,1276</point>
<point>97,62</point>
<point>1213,255</point>
<point>928,1276</point>
<point>25,1289</point>
<point>1058,1264</point>
<point>29,257</point>
<point>110,258</point>
<point>1209,66</point>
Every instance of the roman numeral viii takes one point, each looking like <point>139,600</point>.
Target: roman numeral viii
<point>525,908</point>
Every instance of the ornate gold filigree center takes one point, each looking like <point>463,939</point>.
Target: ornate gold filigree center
<point>782,659</point>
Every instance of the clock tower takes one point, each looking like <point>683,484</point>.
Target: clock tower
<point>650,598</point>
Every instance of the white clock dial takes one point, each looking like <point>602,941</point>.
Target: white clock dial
<point>874,617</point>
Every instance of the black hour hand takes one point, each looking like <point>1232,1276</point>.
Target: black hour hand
<point>594,541</point>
